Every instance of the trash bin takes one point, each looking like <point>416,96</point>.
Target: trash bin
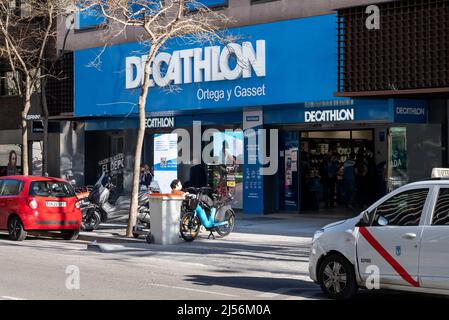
<point>165,216</point>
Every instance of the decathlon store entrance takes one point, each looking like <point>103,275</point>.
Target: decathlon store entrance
<point>347,154</point>
<point>346,169</point>
<point>314,164</point>
<point>339,169</point>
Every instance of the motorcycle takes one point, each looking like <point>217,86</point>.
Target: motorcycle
<point>90,218</point>
<point>100,207</point>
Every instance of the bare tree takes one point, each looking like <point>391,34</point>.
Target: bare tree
<point>156,22</point>
<point>27,33</point>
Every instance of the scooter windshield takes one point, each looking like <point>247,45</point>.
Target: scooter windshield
<point>100,180</point>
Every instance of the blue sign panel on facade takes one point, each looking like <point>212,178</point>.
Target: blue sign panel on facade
<point>357,110</point>
<point>280,69</point>
<point>410,111</point>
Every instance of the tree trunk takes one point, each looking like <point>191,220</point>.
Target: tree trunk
<point>139,145</point>
<point>26,109</point>
<point>136,172</point>
<point>25,157</point>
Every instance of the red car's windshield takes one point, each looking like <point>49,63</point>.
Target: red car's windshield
<point>51,189</point>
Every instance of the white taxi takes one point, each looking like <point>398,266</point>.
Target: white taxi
<point>401,242</point>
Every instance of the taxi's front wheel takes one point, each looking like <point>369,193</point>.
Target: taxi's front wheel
<point>337,277</point>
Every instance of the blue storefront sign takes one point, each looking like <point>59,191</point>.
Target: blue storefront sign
<point>347,111</point>
<point>410,111</point>
<point>277,63</point>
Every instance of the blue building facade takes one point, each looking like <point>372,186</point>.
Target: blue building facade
<point>277,76</point>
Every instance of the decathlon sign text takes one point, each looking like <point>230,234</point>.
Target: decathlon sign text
<point>160,122</point>
<point>347,114</point>
<point>199,65</point>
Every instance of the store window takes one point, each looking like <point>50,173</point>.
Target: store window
<point>37,164</point>
<point>225,172</point>
<point>22,7</point>
<point>8,84</point>
<point>10,160</point>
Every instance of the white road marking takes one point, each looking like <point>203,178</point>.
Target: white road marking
<point>113,225</point>
<point>10,298</point>
<point>195,290</point>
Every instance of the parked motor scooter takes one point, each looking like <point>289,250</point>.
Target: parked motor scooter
<point>143,226</point>
<point>107,210</point>
<point>90,218</point>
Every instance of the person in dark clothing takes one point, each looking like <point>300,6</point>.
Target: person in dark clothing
<point>361,172</point>
<point>198,176</point>
<point>310,192</point>
<point>371,181</point>
<point>329,181</point>
<point>381,179</point>
<point>349,180</point>
<point>146,177</point>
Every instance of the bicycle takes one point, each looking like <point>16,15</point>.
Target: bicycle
<point>214,213</point>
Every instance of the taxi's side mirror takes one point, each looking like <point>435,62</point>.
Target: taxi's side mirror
<point>382,221</point>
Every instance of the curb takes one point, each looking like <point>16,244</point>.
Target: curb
<point>109,239</point>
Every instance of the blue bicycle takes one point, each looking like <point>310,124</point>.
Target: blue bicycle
<point>203,207</point>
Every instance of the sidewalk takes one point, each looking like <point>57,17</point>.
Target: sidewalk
<point>278,224</point>
<point>276,244</point>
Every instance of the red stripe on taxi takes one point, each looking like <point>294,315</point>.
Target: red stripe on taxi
<point>392,261</point>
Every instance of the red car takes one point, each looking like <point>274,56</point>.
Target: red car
<point>29,203</point>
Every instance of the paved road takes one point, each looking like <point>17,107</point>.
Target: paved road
<point>36,269</point>
<point>263,259</point>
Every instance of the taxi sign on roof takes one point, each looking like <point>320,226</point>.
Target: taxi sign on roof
<point>440,173</point>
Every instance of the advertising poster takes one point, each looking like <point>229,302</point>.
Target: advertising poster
<point>228,152</point>
<point>228,147</point>
<point>288,168</point>
<point>114,164</point>
<point>37,158</point>
<point>398,175</point>
<point>165,160</point>
<point>10,160</point>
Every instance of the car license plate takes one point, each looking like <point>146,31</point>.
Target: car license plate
<point>53,204</point>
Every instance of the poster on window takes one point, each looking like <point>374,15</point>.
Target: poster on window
<point>228,154</point>
<point>37,164</point>
<point>165,160</point>
<point>228,147</point>
<point>10,160</point>
<point>397,175</point>
<point>288,168</point>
